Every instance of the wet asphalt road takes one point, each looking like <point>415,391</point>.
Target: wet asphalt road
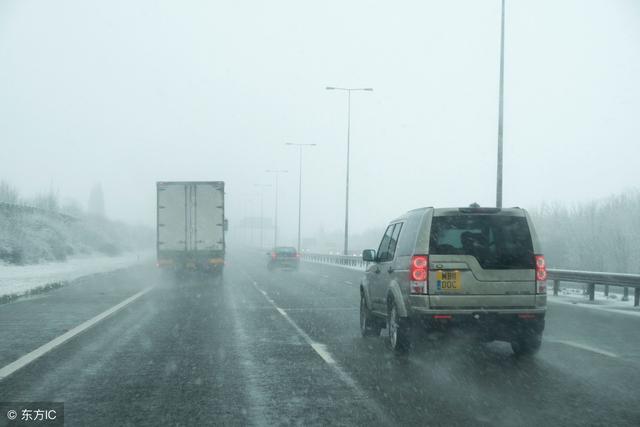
<point>284,348</point>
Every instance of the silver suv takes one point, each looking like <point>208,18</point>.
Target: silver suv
<point>473,268</point>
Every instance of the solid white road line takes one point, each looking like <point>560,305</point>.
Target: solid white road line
<point>583,347</point>
<point>56,342</point>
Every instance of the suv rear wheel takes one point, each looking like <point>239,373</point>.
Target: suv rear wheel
<point>369,326</point>
<point>399,331</point>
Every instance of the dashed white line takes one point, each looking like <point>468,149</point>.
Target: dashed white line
<point>56,342</point>
<point>348,282</point>
<point>322,351</point>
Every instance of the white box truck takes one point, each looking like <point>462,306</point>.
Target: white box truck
<point>191,225</point>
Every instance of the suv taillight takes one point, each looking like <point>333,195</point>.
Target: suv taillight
<point>419,274</point>
<point>273,255</point>
<point>541,274</point>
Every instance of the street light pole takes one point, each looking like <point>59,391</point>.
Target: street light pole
<point>346,214</point>
<point>275,227</point>
<point>500,112</point>
<point>300,147</point>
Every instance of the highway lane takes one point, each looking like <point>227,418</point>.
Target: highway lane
<point>190,352</point>
<point>284,348</point>
<point>457,381</point>
<point>31,322</point>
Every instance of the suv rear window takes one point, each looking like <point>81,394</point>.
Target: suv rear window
<point>498,242</point>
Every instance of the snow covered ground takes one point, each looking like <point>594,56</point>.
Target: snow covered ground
<point>612,303</point>
<point>18,280</point>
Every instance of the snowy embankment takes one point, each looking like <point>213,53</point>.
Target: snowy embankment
<point>612,303</point>
<point>20,280</point>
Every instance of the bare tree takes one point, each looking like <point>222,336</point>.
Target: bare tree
<point>8,193</point>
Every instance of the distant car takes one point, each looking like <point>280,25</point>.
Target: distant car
<point>475,268</point>
<point>283,257</point>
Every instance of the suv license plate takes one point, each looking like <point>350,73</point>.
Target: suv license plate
<point>448,280</point>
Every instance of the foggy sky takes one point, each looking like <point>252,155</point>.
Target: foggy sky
<point>126,93</point>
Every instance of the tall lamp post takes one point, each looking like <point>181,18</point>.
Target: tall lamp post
<point>276,172</point>
<point>346,215</point>
<point>262,187</point>
<point>500,110</point>
<point>300,147</point>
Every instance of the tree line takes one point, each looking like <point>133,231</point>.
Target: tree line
<point>600,235</point>
<point>50,201</point>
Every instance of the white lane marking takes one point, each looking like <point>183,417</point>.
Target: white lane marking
<point>322,351</point>
<point>319,348</point>
<point>348,282</point>
<point>324,276</point>
<point>56,342</point>
<point>583,347</point>
<point>627,312</point>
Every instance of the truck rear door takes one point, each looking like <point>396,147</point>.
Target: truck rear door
<point>172,221</point>
<point>208,205</point>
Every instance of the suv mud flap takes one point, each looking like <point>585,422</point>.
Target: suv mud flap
<point>395,293</point>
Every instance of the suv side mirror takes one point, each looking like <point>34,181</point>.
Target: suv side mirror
<point>369,255</point>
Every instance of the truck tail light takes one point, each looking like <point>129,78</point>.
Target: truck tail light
<point>541,274</point>
<point>419,274</point>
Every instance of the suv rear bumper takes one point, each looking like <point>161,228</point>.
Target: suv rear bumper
<point>504,324</point>
<point>420,311</point>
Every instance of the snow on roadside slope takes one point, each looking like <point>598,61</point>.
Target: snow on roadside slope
<point>18,280</point>
<point>613,303</point>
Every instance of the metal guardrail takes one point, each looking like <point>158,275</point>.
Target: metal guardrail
<point>590,278</point>
<point>344,260</point>
<point>593,278</point>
